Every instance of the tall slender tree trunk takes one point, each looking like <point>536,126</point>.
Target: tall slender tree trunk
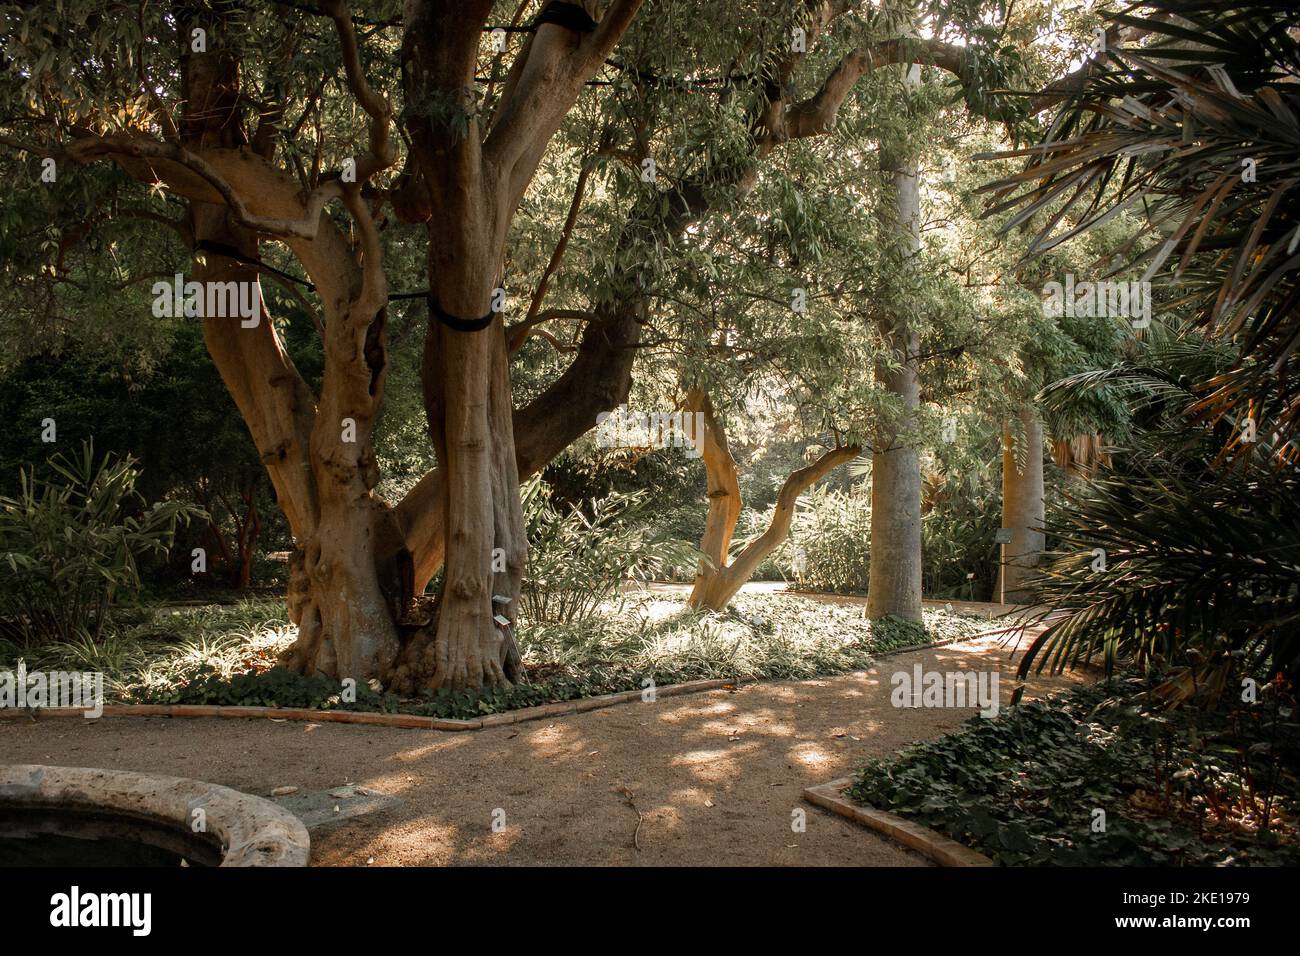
<point>1022,509</point>
<point>895,577</point>
<point>247,531</point>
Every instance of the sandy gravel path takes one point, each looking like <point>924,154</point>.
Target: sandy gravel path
<point>714,776</point>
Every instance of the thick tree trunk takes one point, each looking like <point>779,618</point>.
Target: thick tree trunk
<point>598,380</point>
<point>718,580</point>
<point>353,585</point>
<point>1022,509</point>
<point>895,576</point>
<point>354,566</point>
<point>346,618</point>
<point>468,397</point>
<point>345,593</point>
<point>317,451</point>
<point>471,185</point>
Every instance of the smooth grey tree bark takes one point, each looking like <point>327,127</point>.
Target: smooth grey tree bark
<point>895,578</point>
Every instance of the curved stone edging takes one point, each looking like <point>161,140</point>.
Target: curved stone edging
<point>929,843</point>
<point>415,721</point>
<point>274,713</point>
<point>251,831</point>
<point>366,717</point>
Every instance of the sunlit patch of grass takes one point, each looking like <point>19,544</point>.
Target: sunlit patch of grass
<point>156,652</point>
<point>761,636</point>
<point>164,645</point>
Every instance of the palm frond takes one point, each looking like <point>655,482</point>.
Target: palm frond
<point>1197,131</point>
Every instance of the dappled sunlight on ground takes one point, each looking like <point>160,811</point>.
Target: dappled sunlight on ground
<point>448,742</point>
<point>715,777</point>
<point>786,693</point>
<point>714,766</point>
<point>657,611</point>
<point>558,739</point>
<point>811,756</point>
<point>694,707</point>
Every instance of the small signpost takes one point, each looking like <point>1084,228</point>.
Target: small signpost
<point>1003,538</point>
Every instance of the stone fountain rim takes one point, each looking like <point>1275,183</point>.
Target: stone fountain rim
<point>251,831</point>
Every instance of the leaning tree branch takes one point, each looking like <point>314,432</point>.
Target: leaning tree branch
<point>520,333</point>
<point>373,294</point>
<point>543,83</point>
<point>816,115</point>
<point>718,580</point>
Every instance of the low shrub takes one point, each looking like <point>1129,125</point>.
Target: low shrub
<point>1189,787</point>
<point>830,541</point>
<point>761,637</point>
<point>70,546</point>
<point>580,557</point>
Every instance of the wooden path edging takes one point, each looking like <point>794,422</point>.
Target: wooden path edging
<point>929,843</point>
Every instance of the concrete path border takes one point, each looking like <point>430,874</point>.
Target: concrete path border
<point>415,721</point>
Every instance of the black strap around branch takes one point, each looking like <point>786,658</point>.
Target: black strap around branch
<point>455,323</point>
<point>571,16</point>
<point>230,252</point>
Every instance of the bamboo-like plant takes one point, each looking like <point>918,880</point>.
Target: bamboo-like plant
<point>581,557</point>
<point>70,546</point>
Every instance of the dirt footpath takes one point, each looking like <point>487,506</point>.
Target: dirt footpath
<point>713,778</point>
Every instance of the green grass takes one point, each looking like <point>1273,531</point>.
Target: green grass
<point>225,654</point>
<point>153,648</point>
<point>1187,787</point>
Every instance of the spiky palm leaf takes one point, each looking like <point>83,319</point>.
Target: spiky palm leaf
<point>1178,561</point>
<point>1172,129</point>
<point>1169,558</point>
<point>1156,381</point>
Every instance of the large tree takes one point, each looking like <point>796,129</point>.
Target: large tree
<point>316,146</point>
<point>190,99</point>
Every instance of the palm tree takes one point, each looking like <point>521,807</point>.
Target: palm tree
<point>1197,131</point>
<point>1172,559</point>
